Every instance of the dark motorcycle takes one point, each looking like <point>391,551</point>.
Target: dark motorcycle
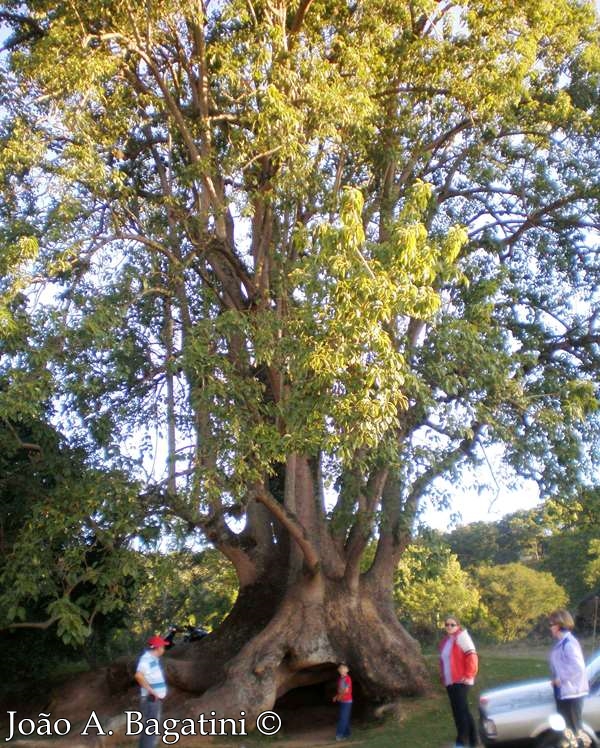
<point>190,634</point>
<point>194,633</point>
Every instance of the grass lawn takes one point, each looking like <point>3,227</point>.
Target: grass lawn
<point>424,722</point>
<point>428,721</point>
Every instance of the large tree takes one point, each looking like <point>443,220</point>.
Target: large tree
<point>332,251</point>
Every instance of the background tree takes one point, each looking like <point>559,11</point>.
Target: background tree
<point>183,588</point>
<point>519,536</point>
<point>67,573</point>
<point>592,567</point>
<point>570,546</point>
<point>429,585</point>
<point>475,544</point>
<point>316,244</point>
<point>516,597</point>
<point>64,528</point>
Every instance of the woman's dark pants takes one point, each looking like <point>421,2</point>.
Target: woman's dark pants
<point>572,712</point>
<point>466,733</point>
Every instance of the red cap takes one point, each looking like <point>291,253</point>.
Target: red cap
<point>157,641</point>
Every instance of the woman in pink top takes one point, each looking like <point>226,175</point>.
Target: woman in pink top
<point>458,668</point>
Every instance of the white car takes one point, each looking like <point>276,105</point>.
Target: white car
<point>521,713</point>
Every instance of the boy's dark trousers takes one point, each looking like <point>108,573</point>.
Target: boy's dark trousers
<point>343,723</point>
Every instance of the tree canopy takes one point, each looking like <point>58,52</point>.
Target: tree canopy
<point>330,251</point>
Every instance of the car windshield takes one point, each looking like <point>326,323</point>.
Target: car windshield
<point>593,671</point>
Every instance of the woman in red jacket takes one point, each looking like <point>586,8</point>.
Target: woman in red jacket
<point>458,668</point>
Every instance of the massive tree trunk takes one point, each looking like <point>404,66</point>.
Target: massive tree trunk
<point>318,622</point>
<point>302,608</point>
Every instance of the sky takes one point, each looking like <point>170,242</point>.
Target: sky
<point>471,506</point>
<point>484,494</point>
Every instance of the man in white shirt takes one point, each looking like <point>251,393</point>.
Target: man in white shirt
<point>151,679</point>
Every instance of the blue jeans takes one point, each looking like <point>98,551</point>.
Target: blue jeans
<point>343,723</point>
<point>150,710</point>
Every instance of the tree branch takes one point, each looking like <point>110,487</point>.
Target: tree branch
<point>300,16</point>
<point>28,446</point>
<point>293,526</point>
<point>40,626</point>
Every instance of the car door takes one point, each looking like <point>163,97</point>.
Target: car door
<point>591,705</point>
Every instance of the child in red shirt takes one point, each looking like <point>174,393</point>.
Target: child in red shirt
<point>344,699</point>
